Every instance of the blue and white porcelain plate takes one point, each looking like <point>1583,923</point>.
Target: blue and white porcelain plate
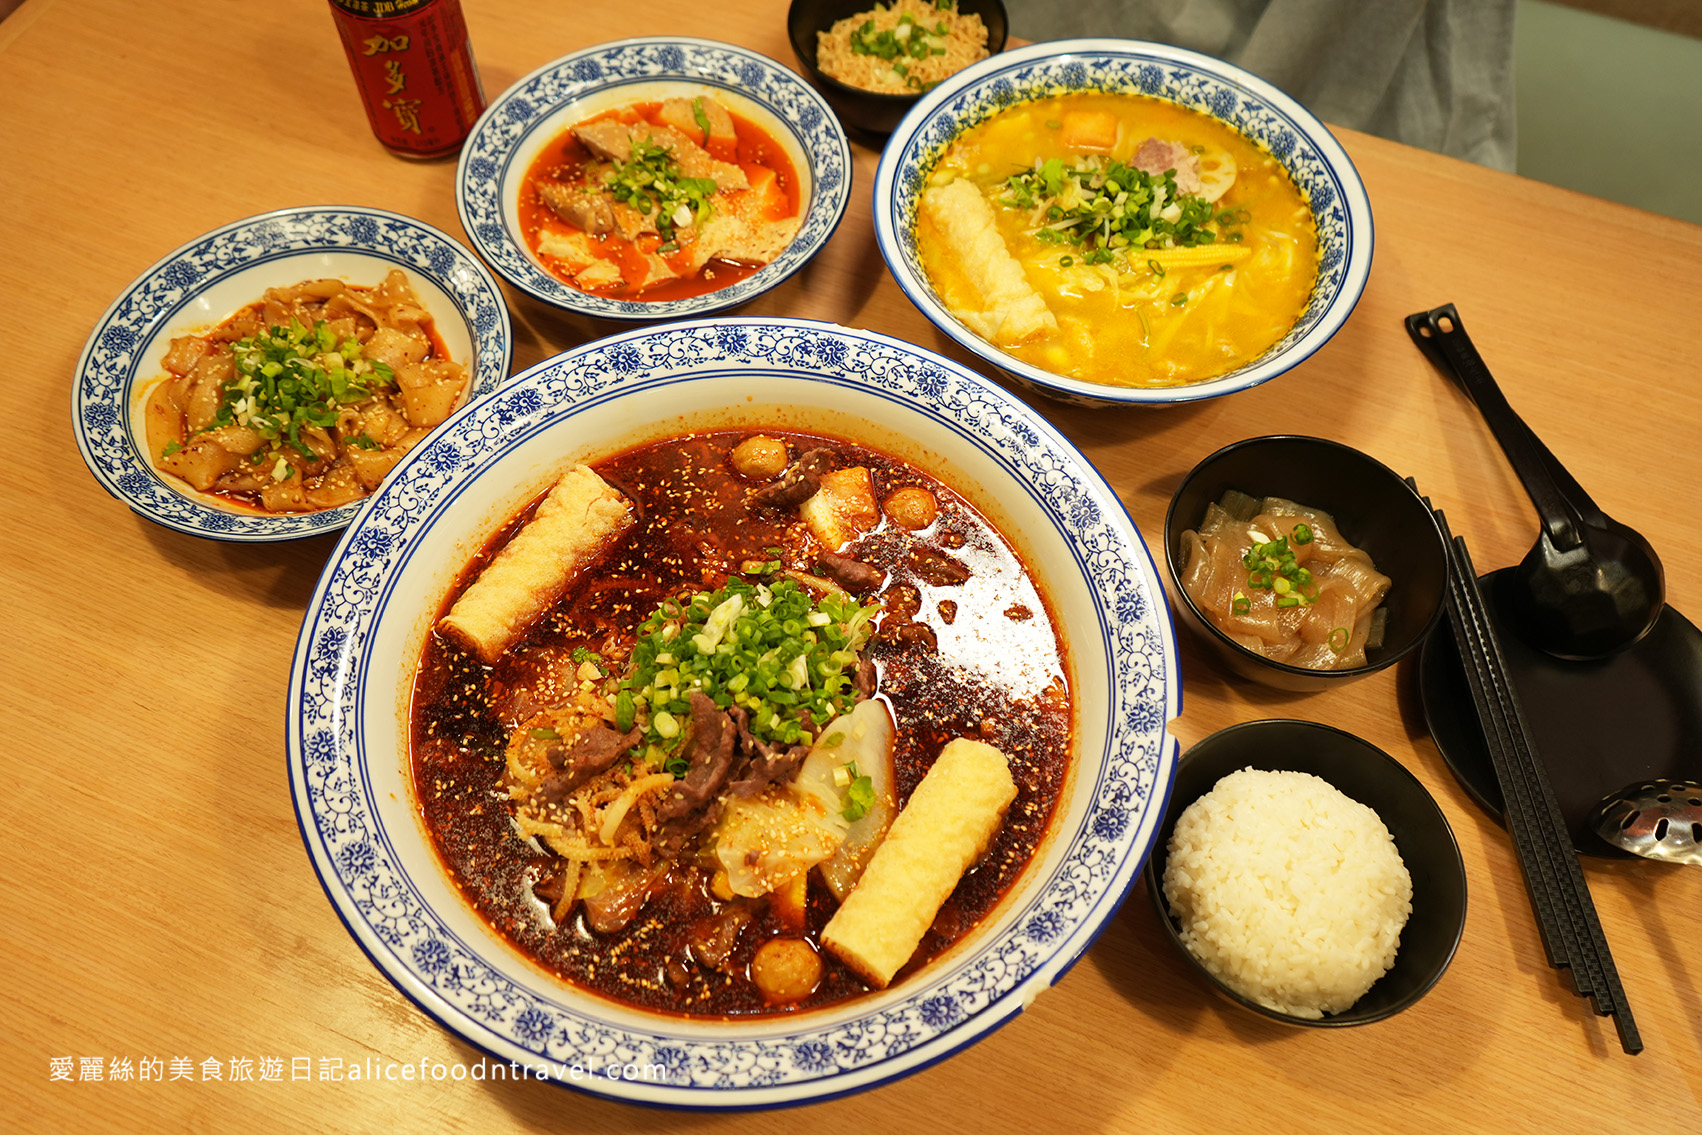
<point>1271,119</point>
<point>198,286</point>
<point>368,622</point>
<point>533,112</point>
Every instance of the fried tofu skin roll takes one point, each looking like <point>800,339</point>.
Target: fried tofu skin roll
<point>946,826</point>
<point>1011,312</point>
<point>578,521</point>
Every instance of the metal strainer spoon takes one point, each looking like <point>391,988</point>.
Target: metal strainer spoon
<point>1657,819</point>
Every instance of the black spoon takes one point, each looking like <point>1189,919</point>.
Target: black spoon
<point>1590,587</point>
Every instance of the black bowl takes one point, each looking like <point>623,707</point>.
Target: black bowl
<point>1375,509</point>
<point>867,111</point>
<point>1365,773</point>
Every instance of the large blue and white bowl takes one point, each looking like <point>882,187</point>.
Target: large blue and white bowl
<point>367,623</point>
<point>1292,134</point>
<point>197,287</point>
<point>534,111</point>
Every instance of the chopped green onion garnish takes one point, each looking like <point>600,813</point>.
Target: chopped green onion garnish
<point>1111,210</point>
<point>761,646</point>
<point>1271,566</point>
<point>859,795</point>
<point>908,40</point>
<point>701,117</point>
<point>650,181</point>
<point>285,379</point>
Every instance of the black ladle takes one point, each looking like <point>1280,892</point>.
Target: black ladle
<point>1590,587</point>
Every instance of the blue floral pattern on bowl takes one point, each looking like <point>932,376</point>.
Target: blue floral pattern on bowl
<point>358,833</point>
<point>1304,146</point>
<point>487,172</point>
<point>117,362</point>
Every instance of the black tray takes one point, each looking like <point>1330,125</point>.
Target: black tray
<point>1598,727</point>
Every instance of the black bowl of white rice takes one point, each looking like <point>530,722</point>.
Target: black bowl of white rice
<point>1307,875</point>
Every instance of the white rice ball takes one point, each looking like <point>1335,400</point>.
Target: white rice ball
<point>1288,891</point>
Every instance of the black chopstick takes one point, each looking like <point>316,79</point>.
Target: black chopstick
<point>1507,735</point>
<point>1566,915</point>
<point>1541,879</point>
<point>1501,727</point>
<point>1544,843</point>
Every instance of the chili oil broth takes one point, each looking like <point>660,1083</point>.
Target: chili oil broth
<point>993,670</point>
<point>1137,333</point>
<point>565,155</point>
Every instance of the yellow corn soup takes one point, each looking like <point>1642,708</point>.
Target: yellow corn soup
<point>1073,294</point>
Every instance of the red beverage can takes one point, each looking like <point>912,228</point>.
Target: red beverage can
<point>414,66</point>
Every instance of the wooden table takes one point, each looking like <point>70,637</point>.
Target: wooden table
<point>158,902</point>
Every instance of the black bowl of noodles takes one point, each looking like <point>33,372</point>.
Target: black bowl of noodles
<point>1251,829</point>
<point>1275,590</point>
<point>875,112</point>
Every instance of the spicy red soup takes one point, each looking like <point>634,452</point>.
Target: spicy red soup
<point>944,625</point>
<point>660,201</point>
